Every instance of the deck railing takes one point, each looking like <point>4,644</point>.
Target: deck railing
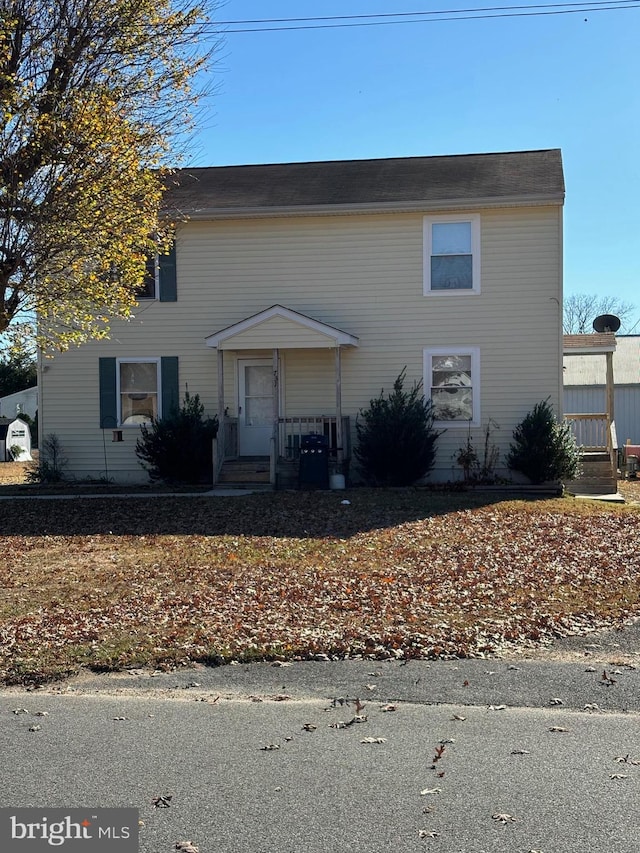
<point>592,431</point>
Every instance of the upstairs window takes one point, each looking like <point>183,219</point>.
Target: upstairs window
<point>452,254</point>
<point>160,278</point>
<point>453,376</point>
<point>149,289</point>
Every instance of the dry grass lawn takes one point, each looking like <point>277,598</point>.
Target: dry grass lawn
<point>110,583</point>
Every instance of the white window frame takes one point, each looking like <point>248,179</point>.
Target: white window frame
<point>428,223</point>
<point>137,360</point>
<point>474,352</point>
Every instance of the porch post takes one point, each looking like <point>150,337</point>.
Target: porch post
<point>610,409</point>
<point>222,449</point>
<point>610,386</point>
<point>339,452</point>
<point>275,449</point>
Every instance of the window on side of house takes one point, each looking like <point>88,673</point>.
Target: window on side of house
<point>452,254</point>
<point>160,281</point>
<point>453,377</point>
<point>150,285</point>
<point>138,390</point>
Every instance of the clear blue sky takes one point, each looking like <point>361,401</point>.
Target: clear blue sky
<point>570,81</point>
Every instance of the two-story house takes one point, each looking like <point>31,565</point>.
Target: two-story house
<point>296,292</point>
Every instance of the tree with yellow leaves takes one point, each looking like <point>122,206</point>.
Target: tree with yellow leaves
<point>95,97</point>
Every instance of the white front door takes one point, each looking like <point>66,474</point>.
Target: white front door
<point>255,400</point>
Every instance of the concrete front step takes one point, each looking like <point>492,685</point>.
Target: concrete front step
<point>253,470</point>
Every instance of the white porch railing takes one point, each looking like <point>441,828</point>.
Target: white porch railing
<point>291,430</point>
<point>225,445</point>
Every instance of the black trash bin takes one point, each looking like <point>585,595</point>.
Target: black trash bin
<point>313,471</point>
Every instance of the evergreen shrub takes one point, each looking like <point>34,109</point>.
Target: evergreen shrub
<point>396,437</point>
<point>543,449</point>
<point>178,448</point>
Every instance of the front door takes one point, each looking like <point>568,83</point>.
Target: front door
<point>255,400</point>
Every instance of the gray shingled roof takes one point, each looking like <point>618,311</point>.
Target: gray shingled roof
<point>408,181</point>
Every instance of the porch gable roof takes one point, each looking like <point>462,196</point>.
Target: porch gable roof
<point>278,327</point>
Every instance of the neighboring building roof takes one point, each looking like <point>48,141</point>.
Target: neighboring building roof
<point>407,183</point>
<point>587,370</point>
<point>27,400</point>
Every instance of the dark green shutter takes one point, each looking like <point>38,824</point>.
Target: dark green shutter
<point>169,371</point>
<point>167,276</point>
<point>108,402</point>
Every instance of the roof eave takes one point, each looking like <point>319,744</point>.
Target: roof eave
<point>419,206</point>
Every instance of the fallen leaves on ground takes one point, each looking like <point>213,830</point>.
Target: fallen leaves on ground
<point>110,583</point>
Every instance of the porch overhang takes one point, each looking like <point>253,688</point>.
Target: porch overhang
<point>591,344</point>
<point>281,328</point>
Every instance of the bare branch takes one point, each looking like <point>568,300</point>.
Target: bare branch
<point>581,309</point>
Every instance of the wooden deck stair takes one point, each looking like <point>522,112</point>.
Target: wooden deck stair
<point>598,476</point>
<point>246,471</point>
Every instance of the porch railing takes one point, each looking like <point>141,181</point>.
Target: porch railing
<point>225,445</point>
<point>596,433</point>
<point>290,433</point>
<point>291,430</point>
<point>592,431</point>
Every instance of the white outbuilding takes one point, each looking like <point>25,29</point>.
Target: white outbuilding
<point>15,441</point>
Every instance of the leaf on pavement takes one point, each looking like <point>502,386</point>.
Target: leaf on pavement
<point>503,818</point>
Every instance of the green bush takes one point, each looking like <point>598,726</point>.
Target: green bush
<point>396,438</point>
<point>178,448</point>
<point>544,450</point>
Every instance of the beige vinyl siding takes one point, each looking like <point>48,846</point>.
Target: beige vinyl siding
<point>288,334</point>
<point>359,273</point>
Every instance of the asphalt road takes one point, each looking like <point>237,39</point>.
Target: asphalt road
<point>539,755</point>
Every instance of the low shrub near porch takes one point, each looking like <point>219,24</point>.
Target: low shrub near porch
<point>396,436</point>
<point>177,448</point>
